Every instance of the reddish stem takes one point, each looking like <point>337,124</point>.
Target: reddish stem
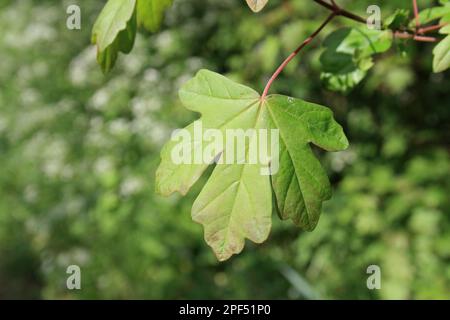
<point>344,13</point>
<point>341,12</point>
<point>293,54</point>
<point>338,11</point>
<point>416,14</point>
<point>406,35</point>
<point>424,39</point>
<point>431,28</point>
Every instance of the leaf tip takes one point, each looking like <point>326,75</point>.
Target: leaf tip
<point>256,5</point>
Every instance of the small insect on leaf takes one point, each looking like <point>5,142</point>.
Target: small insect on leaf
<point>257,5</point>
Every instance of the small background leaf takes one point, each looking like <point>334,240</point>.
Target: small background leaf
<point>114,31</point>
<point>348,56</point>
<point>257,5</point>
<point>441,52</point>
<point>150,13</point>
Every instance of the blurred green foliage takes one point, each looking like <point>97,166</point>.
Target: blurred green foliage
<point>78,152</point>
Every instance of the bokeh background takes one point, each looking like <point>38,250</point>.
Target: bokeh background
<point>78,153</point>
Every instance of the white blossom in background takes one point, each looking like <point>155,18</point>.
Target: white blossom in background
<point>81,66</point>
<point>341,159</point>
<point>131,186</point>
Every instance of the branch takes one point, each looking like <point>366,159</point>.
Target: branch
<point>416,14</point>
<point>431,28</point>
<point>401,34</point>
<point>293,54</point>
<point>338,11</point>
<point>406,35</point>
<point>341,12</point>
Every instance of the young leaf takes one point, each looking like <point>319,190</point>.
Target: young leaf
<point>441,53</point>
<point>430,14</point>
<point>114,31</point>
<point>399,19</point>
<point>150,13</point>
<point>348,55</point>
<point>236,202</point>
<point>257,5</point>
<point>345,80</point>
<point>446,22</point>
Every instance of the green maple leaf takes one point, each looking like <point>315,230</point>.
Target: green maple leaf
<point>114,31</point>
<point>236,201</point>
<point>398,19</point>
<point>433,13</point>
